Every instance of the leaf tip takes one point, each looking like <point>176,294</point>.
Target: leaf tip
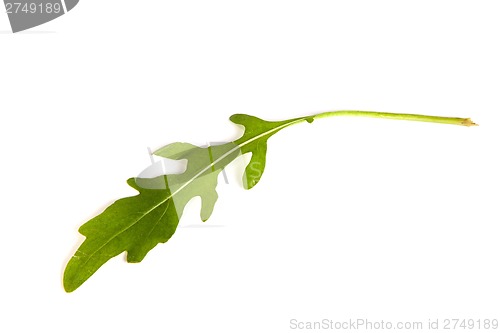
<point>250,182</point>
<point>69,283</point>
<point>68,288</point>
<point>238,119</point>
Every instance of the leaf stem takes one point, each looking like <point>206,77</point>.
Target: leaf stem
<point>397,116</point>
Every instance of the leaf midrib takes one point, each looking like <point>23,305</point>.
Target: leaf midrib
<point>130,226</point>
<point>276,129</point>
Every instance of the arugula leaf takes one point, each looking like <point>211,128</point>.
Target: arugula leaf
<point>137,224</point>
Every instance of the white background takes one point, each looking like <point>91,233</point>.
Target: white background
<point>354,218</point>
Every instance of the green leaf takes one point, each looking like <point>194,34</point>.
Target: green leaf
<point>137,224</point>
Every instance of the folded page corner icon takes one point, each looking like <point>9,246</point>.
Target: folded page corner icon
<point>26,14</point>
<point>70,4</point>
